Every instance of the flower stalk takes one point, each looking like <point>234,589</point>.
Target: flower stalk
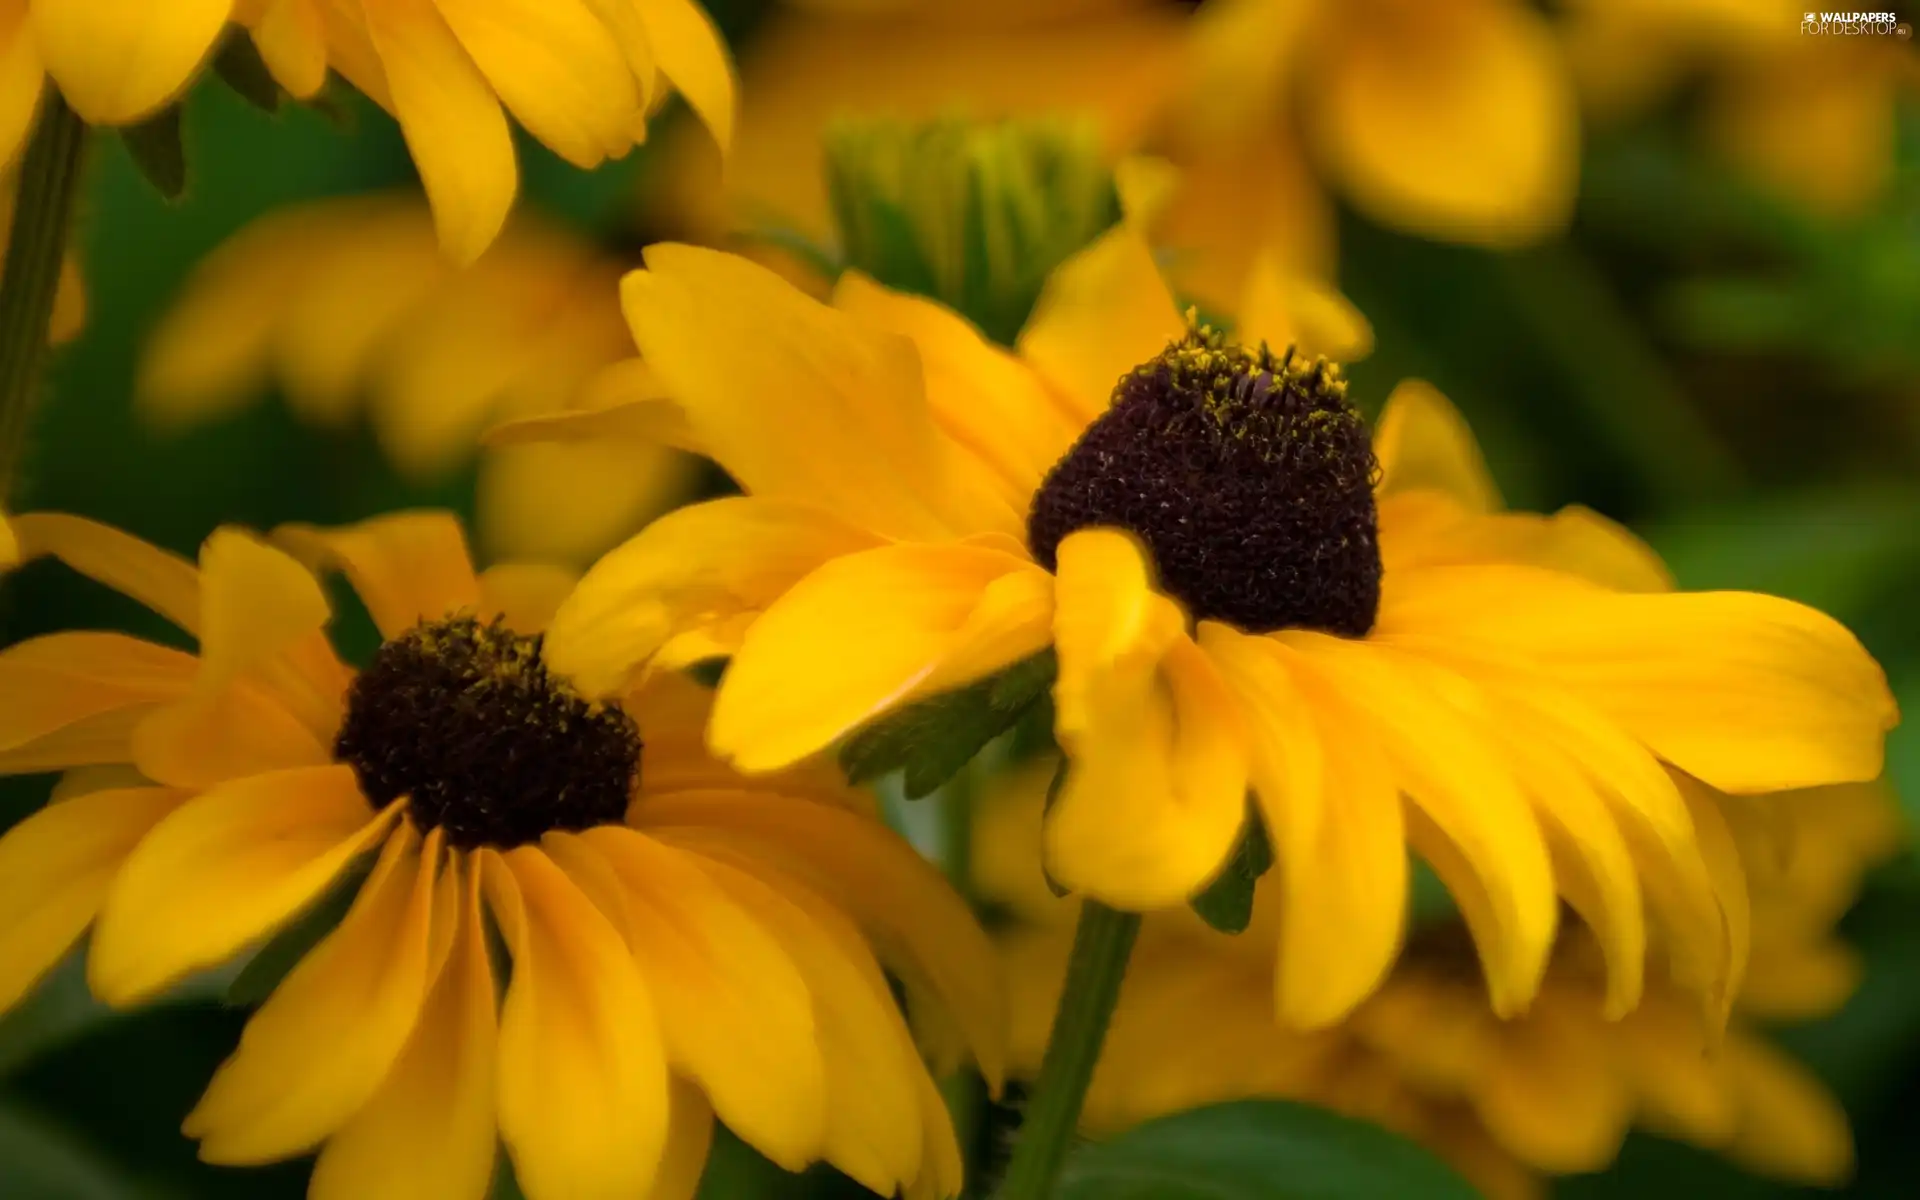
<point>1102,943</point>
<point>43,210</point>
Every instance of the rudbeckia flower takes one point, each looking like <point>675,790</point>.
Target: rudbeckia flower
<point>685,945</point>
<point>1509,1103</point>
<point>347,302</point>
<point>1243,591</point>
<point>1454,120</point>
<point>1810,117</point>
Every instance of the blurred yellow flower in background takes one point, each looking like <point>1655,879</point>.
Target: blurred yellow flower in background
<point>1333,634</point>
<point>1509,1103</point>
<point>341,303</point>
<point>686,944</point>
<point>1810,117</point>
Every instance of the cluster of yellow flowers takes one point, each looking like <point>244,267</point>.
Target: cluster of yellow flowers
<point>599,904</point>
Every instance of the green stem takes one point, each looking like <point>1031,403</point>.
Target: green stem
<point>36,248</point>
<point>1101,944</point>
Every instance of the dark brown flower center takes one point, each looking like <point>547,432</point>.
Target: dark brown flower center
<point>464,720</point>
<point>1248,476</point>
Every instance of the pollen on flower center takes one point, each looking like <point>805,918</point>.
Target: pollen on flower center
<point>463,718</point>
<point>1248,476</point>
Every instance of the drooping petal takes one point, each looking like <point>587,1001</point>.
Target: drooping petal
<point>256,602</point>
<point>689,1138</point>
<point>919,924</point>
<point>1423,442</point>
<point>325,1041</point>
<point>1790,1125</point>
<point>430,1128</point>
<point>1333,815</point>
<point>55,868</point>
<point>693,57</point>
<point>234,731</point>
<point>556,68</point>
<point>1551,1096</point>
<point>874,1132</point>
<point>734,1010</point>
<point>830,655</point>
<point>224,869</point>
<point>452,122</point>
<point>1437,740</point>
<point>52,682</point>
<point>1456,121</point>
<point>797,374</point>
<point>118,60</point>
<point>1283,309</point>
<point>1103,312</point>
<point>583,1079</point>
<point>524,595</point>
<point>159,579</point>
<point>1156,784</point>
<point>292,42</point>
<point>407,567</point>
<point>691,569</point>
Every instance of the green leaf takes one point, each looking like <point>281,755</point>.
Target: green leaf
<point>1258,1150</point>
<point>1227,902</point>
<point>241,68</point>
<point>157,151</point>
<point>932,740</point>
<point>271,963</point>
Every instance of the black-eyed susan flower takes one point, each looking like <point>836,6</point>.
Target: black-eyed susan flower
<point>684,944</point>
<point>344,304</point>
<point>1243,591</point>
<point>1510,1103</point>
<point>579,75</point>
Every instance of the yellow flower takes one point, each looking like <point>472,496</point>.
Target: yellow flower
<point>1455,119</point>
<point>1381,656</point>
<point>344,300</point>
<point>1811,117</point>
<point>1507,1102</point>
<point>685,944</point>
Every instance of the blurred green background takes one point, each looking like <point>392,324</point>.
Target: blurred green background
<point>1739,382</point>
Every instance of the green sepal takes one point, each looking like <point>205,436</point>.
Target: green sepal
<point>1227,902</point>
<point>241,68</point>
<point>157,151</point>
<point>932,740</point>
<point>283,952</point>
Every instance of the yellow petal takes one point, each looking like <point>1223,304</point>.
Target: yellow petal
<point>231,732</point>
<point>689,1137</point>
<point>1333,815</point>
<point>583,1080</point>
<point>1157,777</point>
<point>452,122</point>
<point>407,567</point>
<point>52,682</point>
<point>1437,739</point>
<point>919,924</point>
<point>292,43</point>
<point>557,70</point>
<point>226,868</point>
<point>693,57</point>
<point>524,595</point>
<point>1551,1096</point>
<point>429,1130</point>
<point>1102,313</point>
<point>256,602</point>
<point>1818,127</point>
<point>1455,121</point>
<point>574,501</point>
<point>20,79</point>
<point>874,1132</point>
<point>1749,693</point>
<point>828,655</point>
<point>1423,442</point>
<point>1281,310</point>
<point>985,399</point>
<point>55,868</point>
<point>734,1010</point>
<point>1722,856</point>
<point>159,579</point>
<point>1790,1126</point>
<point>118,60</point>
<point>324,1042</point>
<point>692,568</point>
<point>797,374</point>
